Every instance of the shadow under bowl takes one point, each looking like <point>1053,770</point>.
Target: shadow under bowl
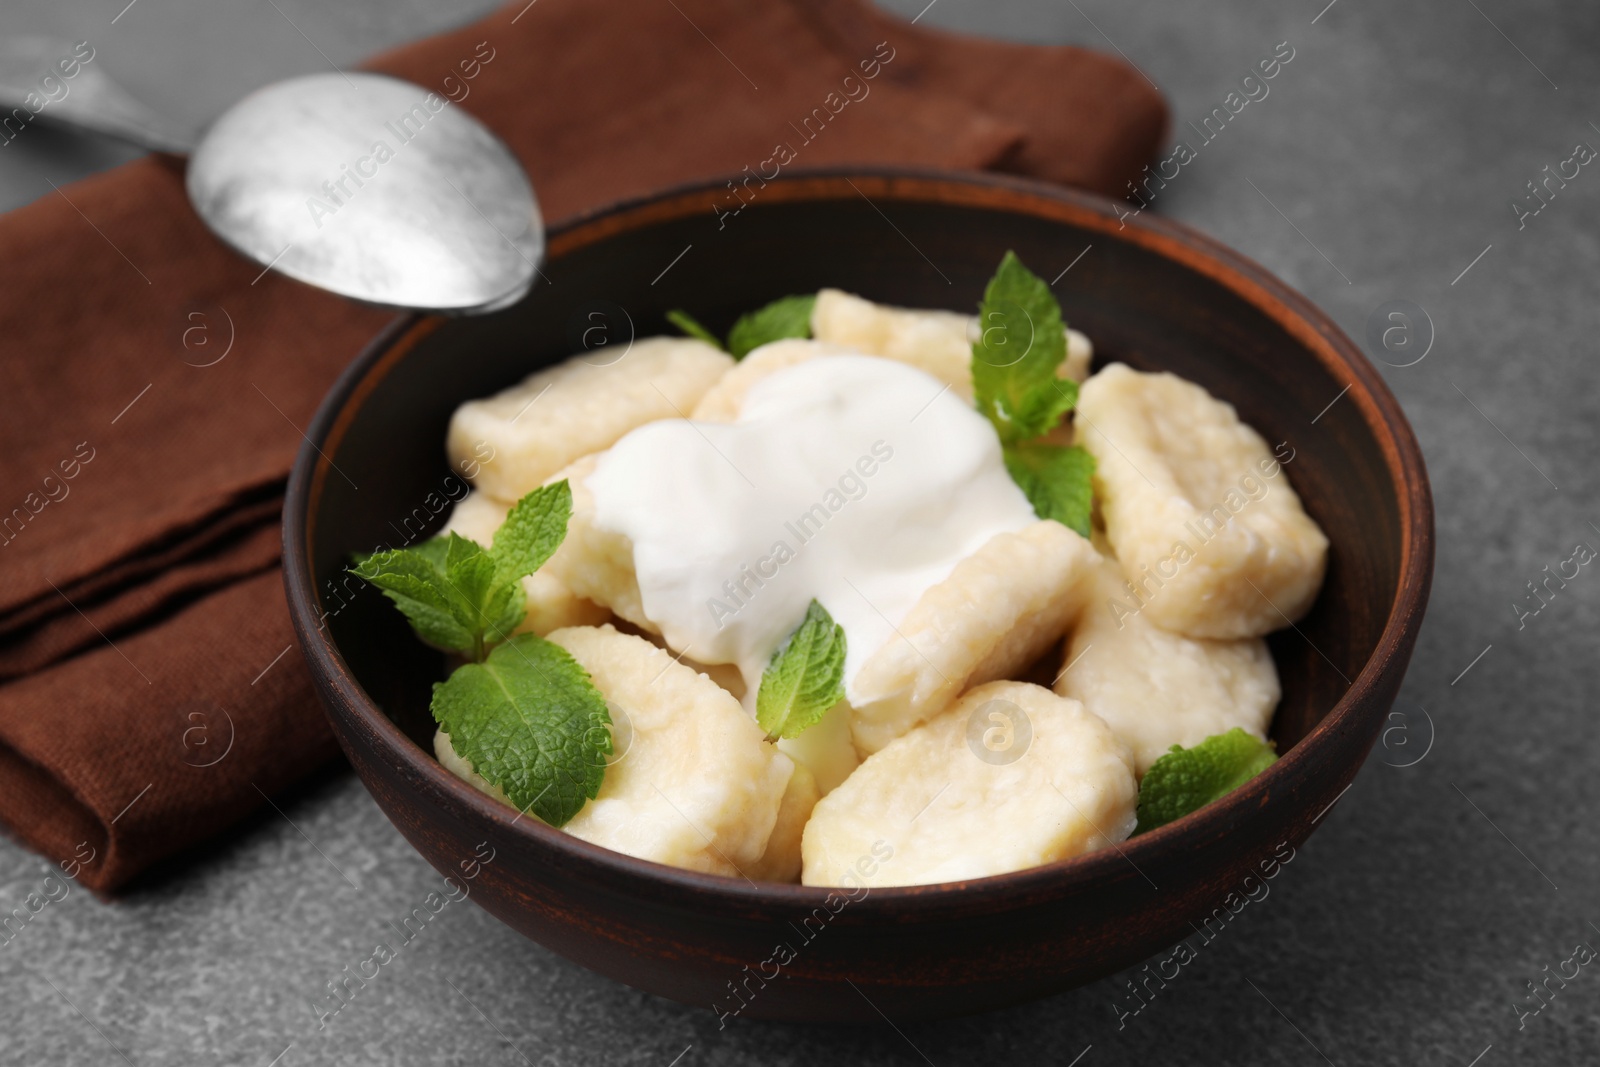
<point>1152,294</point>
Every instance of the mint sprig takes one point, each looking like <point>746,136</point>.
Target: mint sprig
<point>461,597</point>
<point>804,678</point>
<point>788,316</point>
<point>1056,481</point>
<point>1021,343</point>
<point>415,580</point>
<point>523,713</point>
<point>448,592</point>
<point>529,720</point>
<point>1187,779</point>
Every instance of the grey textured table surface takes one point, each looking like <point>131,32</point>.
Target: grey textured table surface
<point>1380,167</point>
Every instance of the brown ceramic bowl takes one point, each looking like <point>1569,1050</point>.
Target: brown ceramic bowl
<point>1153,294</point>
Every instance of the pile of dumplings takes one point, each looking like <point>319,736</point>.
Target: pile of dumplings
<point>945,767</point>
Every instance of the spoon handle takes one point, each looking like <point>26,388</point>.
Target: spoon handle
<point>34,85</point>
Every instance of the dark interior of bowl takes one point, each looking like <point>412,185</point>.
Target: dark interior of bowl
<point>1137,305</point>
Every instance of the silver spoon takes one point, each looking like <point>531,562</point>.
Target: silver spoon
<point>361,184</point>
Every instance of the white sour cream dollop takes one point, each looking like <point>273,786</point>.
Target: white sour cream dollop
<point>858,481</point>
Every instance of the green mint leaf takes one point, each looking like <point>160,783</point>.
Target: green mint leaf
<point>434,549</point>
<point>1187,779</point>
<point>419,588</point>
<point>1014,361</point>
<point>805,677</point>
<point>533,530</point>
<point>530,721</point>
<point>1057,481</point>
<point>462,598</point>
<point>789,316</point>
<point>487,604</point>
<point>687,323</point>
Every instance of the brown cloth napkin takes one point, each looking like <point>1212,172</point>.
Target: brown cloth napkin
<point>155,384</point>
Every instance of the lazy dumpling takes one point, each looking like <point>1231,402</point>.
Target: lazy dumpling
<point>999,610</point>
<point>692,783</point>
<point>1212,538</point>
<point>1155,688</point>
<point>1010,776</point>
<point>520,436</point>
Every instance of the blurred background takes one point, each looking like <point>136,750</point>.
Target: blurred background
<point>1461,863</point>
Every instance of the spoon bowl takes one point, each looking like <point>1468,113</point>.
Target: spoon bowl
<point>373,188</point>
<point>358,183</point>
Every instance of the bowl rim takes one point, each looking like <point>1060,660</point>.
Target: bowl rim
<point>1312,329</point>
